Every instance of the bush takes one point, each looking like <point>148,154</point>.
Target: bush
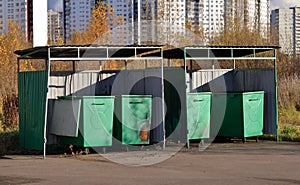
<point>9,142</point>
<point>288,91</point>
<point>10,115</point>
<point>289,133</point>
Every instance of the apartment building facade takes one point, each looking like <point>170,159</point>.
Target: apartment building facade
<point>77,14</point>
<point>55,26</point>
<point>148,21</point>
<point>286,25</point>
<point>206,15</point>
<point>254,14</point>
<point>13,10</point>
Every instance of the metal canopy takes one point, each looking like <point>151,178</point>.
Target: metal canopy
<point>71,53</point>
<point>229,52</point>
<point>97,53</point>
<point>233,53</point>
<point>219,52</point>
<point>92,52</point>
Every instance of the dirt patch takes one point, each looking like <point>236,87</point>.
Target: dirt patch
<point>4,180</point>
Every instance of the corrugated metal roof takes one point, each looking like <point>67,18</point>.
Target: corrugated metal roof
<point>217,51</point>
<point>100,51</point>
<point>127,51</point>
<point>240,46</point>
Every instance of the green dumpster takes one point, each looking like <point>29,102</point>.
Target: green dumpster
<point>96,122</point>
<point>132,119</point>
<point>198,115</point>
<point>243,115</point>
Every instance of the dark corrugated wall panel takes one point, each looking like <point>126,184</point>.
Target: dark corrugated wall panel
<point>175,98</point>
<point>148,82</point>
<point>243,80</point>
<point>260,80</point>
<point>32,105</point>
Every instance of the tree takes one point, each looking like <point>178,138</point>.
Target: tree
<point>98,30</point>
<point>236,33</point>
<point>60,42</point>
<point>14,39</point>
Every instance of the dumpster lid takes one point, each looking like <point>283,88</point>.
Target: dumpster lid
<point>135,96</point>
<point>85,97</point>
<point>200,93</point>
<point>240,92</point>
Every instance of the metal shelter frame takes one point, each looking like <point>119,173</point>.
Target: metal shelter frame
<point>232,53</point>
<point>136,53</point>
<point>93,53</point>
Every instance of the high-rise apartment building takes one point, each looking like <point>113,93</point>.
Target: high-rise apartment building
<point>29,21</point>
<point>122,35</point>
<point>206,15</point>
<point>13,10</point>
<point>158,17</point>
<point>264,17</point>
<point>172,13</point>
<point>254,14</point>
<point>296,31</point>
<point>77,15</point>
<point>31,15</point>
<point>55,26</point>
<point>212,16</point>
<point>145,32</point>
<point>286,24</point>
<point>146,21</point>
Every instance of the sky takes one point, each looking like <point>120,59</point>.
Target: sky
<point>58,4</point>
<point>284,3</point>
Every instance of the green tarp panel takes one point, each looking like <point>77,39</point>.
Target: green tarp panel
<point>198,115</point>
<point>243,115</point>
<point>96,122</point>
<point>32,107</point>
<point>132,120</point>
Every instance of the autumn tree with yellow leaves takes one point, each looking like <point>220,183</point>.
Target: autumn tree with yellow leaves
<point>98,30</point>
<point>13,39</point>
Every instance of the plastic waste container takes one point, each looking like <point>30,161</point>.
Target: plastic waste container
<point>95,122</point>
<point>132,120</point>
<point>243,115</point>
<point>198,115</point>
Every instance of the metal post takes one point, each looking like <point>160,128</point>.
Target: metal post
<point>139,22</point>
<point>46,108</point>
<point>163,99</point>
<point>107,53</point>
<point>234,65</point>
<point>74,66</point>
<point>276,95</point>
<point>146,64</point>
<point>185,72</point>
<point>132,24</point>
<point>191,75</point>
<point>100,71</point>
<point>232,56</point>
